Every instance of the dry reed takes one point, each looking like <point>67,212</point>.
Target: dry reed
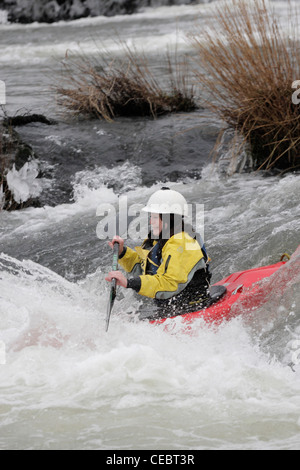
<point>106,88</point>
<point>247,64</point>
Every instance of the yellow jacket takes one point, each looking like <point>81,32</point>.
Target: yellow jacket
<point>181,257</point>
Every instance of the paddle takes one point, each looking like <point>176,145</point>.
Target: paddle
<point>113,289</point>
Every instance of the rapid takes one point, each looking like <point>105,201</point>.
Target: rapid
<point>64,382</point>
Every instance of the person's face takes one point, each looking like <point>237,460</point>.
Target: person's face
<point>156,224</point>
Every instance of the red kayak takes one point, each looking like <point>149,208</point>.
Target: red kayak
<point>241,286</point>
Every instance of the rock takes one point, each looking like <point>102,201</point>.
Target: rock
<point>16,159</point>
<point>233,154</point>
<point>28,11</point>
<point>22,120</point>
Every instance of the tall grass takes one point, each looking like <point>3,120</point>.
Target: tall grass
<point>106,87</point>
<point>247,63</point>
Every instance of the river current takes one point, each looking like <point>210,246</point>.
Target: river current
<point>64,382</point>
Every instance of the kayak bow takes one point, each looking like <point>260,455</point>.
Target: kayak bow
<point>241,286</point>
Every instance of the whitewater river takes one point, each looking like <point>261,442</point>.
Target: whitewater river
<point>64,382</point>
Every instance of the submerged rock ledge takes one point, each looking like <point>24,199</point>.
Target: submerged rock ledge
<point>18,164</point>
<point>28,11</point>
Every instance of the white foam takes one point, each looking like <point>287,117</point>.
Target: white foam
<point>91,189</point>
<point>23,183</point>
<point>60,360</point>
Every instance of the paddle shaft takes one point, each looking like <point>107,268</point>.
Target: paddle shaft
<point>113,288</point>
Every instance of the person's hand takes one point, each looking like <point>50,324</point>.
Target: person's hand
<point>121,279</point>
<point>119,240</point>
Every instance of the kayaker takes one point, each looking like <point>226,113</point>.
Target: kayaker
<point>171,266</point>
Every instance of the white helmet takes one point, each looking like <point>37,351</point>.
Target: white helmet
<point>167,201</point>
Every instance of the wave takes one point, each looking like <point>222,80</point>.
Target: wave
<point>47,310</point>
<point>42,307</point>
<point>277,321</point>
<point>60,365</point>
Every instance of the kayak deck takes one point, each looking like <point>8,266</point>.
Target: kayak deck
<point>239,286</point>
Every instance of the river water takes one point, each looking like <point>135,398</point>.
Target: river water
<point>64,382</point>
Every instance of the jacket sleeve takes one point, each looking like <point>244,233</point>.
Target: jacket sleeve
<point>180,262</point>
<point>131,261</point>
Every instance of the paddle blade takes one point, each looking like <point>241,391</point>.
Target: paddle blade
<point>113,289</point>
<point>112,296</point>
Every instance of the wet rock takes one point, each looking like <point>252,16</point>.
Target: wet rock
<point>28,11</point>
<point>14,155</point>
<point>233,154</point>
<point>22,120</point>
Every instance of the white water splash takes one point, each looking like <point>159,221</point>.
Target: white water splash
<point>68,384</point>
<point>23,183</point>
